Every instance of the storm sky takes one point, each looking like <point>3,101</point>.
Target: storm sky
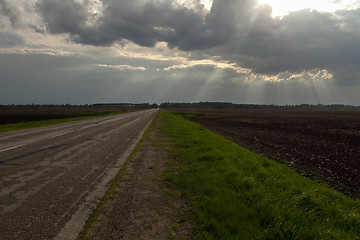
<point>240,51</point>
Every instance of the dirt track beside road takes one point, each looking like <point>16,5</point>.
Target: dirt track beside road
<point>145,206</point>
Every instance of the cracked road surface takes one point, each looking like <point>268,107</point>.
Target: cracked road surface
<point>51,178</point>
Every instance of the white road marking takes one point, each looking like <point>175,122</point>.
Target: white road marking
<point>79,129</point>
<point>10,148</point>
<point>58,135</point>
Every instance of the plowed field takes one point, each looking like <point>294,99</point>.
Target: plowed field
<point>27,114</point>
<point>322,145</point>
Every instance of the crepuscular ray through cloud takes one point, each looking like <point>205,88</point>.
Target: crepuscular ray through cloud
<point>221,50</point>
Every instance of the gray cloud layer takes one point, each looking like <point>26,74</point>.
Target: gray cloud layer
<point>236,30</point>
<point>45,78</point>
<point>148,22</point>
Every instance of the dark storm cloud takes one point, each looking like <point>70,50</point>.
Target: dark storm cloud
<point>153,21</point>
<point>236,30</point>
<point>301,41</point>
<point>9,11</point>
<point>144,23</point>
<point>148,22</point>
<point>64,16</point>
<point>305,40</point>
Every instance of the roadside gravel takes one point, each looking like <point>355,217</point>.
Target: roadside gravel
<point>145,206</point>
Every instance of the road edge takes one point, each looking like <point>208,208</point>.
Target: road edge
<point>80,223</point>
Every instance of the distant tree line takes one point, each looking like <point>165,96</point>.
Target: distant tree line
<point>97,105</point>
<point>127,105</point>
<point>195,105</point>
<point>228,105</point>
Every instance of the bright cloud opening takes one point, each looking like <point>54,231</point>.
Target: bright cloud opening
<point>283,7</point>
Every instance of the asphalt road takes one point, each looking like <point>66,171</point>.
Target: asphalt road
<point>51,178</point>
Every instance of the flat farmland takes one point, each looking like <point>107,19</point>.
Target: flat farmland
<point>322,145</point>
<point>10,114</point>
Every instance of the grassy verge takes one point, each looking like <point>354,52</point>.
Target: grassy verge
<point>237,194</point>
<point>26,125</point>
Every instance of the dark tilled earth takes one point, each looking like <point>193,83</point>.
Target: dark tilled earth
<point>322,145</point>
<point>10,114</point>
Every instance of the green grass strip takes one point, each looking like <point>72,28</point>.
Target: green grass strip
<point>33,124</point>
<point>237,194</point>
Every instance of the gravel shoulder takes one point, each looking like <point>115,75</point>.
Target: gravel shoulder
<point>144,205</point>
